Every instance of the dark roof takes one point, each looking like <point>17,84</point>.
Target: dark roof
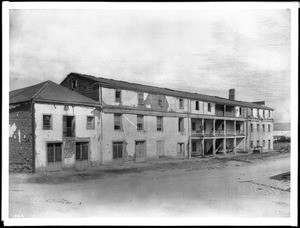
<point>282,127</point>
<point>111,83</point>
<point>50,92</point>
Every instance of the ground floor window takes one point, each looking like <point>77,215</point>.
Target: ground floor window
<point>269,144</point>
<point>180,147</point>
<point>54,152</point>
<point>82,150</point>
<point>117,149</point>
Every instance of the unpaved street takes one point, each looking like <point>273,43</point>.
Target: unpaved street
<point>235,186</point>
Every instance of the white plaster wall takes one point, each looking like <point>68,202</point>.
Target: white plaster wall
<point>213,108</point>
<point>193,107</point>
<point>174,104</point>
<point>170,135</point>
<point>56,133</point>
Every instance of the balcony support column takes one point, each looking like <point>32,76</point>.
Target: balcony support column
<point>202,123</point>
<point>224,127</point>
<point>202,144</point>
<point>234,145</point>
<point>214,127</point>
<point>224,146</point>
<point>214,147</point>
<point>234,127</point>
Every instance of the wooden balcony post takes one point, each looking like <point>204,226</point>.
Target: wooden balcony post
<point>214,147</point>
<point>214,127</point>
<point>202,142</point>
<point>224,145</point>
<point>224,127</point>
<point>234,145</point>
<point>202,123</point>
<point>234,127</point>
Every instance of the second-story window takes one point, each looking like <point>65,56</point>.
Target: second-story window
<point>263,127</point>
<point>257,127</point>
<point>47,122</point>
<point>257,113</point>
<point>251,126</point>
<point>141,99</point>
<point>180,103</point>
<point>197,105</point>
<point>140,122</point>
<point>118,96</point>
<point>193,126</point>
<point>118,122</point>
<point>68,126</point>
<point>180,124</point>
<point>209,107</point>
<point>159,123</point>
<point>240,111</point>
<point>269,128</point>
<point>269,113</point>
<point>90,123</point>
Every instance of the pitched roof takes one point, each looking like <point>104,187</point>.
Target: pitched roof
<point>111,83</point>
<point>49,92</point>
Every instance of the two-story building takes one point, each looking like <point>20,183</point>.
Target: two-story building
<point>139,122</point>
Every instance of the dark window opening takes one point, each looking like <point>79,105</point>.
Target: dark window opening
<point>257,143</point>
<point>194,146</point>
<point>47,122</point>
<point>251,126</point>
<point>82,151</point>
<point>118,96</point>
<point>68,126</point>
<point>193,126</point>
<point>54,152</point>
<point>209,107</point>
<point>74,84</point>
<point>140,99</point>
<point>117,149</point>
<point>263,127</point>
<point>180,147</point>
<point>257,127</point>
<point>180,124</point>
<point>181,103</point>
<point>197,105</point>
<point>269,128</point>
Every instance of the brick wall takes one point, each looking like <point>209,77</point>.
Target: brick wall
<point>20,138</point>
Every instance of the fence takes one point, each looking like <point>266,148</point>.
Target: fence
<point>282,146</point>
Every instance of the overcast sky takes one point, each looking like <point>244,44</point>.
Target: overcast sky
<point>203,51</point>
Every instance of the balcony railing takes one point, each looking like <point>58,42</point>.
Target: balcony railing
<point>229,132</point>
<point>219,132</point>
<point>240,132</point>
<point>208,132</point>
<point>229,114</point>
<point>219,113</point>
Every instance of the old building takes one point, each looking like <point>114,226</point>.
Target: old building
<point>141,122</point>
<point>52,127</point>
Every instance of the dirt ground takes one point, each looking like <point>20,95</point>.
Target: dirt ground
<point>243,186</point>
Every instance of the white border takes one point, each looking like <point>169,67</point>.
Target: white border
<point>149,6</point>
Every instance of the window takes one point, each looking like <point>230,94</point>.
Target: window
<point>118,96</point>
<point>159,123</point>
<point>263,127</point>
<point>197,105</point>
<point>117,149</point>
<point>141,99</point>
<point>269,113</point>
<point>257,127</point>
<point>180,147</point>
<point>193,126</point>
<point>74,84</point>
<point>90,123</point>
<point>264,143</point>
<point>269,127</point>
<point>180,103</point>
<point>180,124</point>
<point>263,113</point>
<point>257,142</point>
<point>82,151</point>
<point>251,126</point>
<point>68,126</point>
<point>269,144</point>
<point>208,107</point>
<point>54,152</point>
<point>257,112</point>
<point>117,122</point>
<point>47,122</point>
<point>240,109</point>
<point>194,146</point>
<point>205,126</point>
<point>251,144</point>
<point>140,122</point>
<point>251,111</point>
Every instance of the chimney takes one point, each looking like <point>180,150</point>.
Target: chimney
<point>232,94</point>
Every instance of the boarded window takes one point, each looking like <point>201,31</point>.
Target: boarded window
<point>209,107</point>
<point>68,126</point>
<point>90,123</point>
<point>82,151</point>
<point>181,103</point>
<point>193,126</point>
<point>47,122</point>
<point>141,99</point>
<point>117,121</point>
<point>54,152</point>
<point>140,122</point>
<point>159,123</point>
<point>180,124</point>
<point>257,127</point>
<point>117,149</point>
<point>118,95</point>
<point>197,105</point>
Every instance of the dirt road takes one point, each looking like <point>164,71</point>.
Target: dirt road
<point>237,186</point>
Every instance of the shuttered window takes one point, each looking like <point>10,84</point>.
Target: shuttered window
<point>117,121</point>
<point>140,122</point>
<point>82,149</point>
<point>117,149</point>
<point>54,152</point>
<point>159,123</point>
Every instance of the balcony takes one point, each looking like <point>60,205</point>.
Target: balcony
<point>240,132</point>
<point>219,132</point>
<point>219,113</point>
<point>229,114</point>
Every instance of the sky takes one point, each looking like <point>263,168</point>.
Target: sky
<point>202,51</point>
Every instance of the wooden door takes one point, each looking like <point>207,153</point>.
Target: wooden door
<point>140,151</point>
<point>160,145</point>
